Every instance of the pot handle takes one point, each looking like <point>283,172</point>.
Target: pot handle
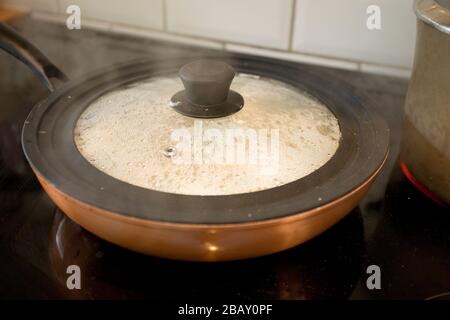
<point>13,43</point>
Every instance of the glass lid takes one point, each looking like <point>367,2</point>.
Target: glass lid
<point>197,137</point>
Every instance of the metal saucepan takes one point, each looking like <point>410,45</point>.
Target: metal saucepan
<point>184,226</point>
<point>425,152</point>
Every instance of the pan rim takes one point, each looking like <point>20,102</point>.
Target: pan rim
<point>210,214</point>
<point>220,226</point>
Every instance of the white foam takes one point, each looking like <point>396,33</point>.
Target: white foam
<point>125,133</point>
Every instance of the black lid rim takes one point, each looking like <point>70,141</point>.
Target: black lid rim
<point>49,146</point>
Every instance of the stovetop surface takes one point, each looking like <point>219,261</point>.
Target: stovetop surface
<point>395,227</point>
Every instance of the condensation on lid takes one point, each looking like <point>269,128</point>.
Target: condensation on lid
<point>280,136</point>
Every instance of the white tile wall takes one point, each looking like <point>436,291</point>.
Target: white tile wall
<point>325,32</point>
<point>164,36</point>
<point>338,29</point>
<point>140,13</point>
<point>257,22</point>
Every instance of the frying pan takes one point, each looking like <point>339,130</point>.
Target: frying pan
<point>191,227</point>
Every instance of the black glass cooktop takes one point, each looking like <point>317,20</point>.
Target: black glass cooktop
<point>395,227</point>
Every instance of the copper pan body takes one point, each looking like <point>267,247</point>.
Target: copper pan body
<point>207,242</point>
<point>47,140</point>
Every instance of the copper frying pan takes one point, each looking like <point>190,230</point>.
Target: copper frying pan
<point>187,227</point>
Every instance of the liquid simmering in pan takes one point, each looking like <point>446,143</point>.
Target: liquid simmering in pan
<point>280,135</point>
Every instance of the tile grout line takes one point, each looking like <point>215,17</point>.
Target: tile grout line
<point>222,43</point>
<point>292,26</point>
<point>164,13</point>
<point>359,66</point>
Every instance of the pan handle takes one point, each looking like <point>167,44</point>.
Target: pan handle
<point>13,43</point>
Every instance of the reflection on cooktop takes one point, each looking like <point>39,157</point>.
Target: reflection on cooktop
<point>414,237</point>
<point>323,268</point>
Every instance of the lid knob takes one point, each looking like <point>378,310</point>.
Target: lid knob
<point>207,91</point>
